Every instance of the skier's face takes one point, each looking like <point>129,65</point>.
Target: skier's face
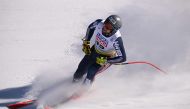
<point>107,29</point>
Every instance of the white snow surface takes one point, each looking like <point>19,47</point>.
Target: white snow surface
<point>40,45</point>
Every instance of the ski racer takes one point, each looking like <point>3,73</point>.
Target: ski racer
<point>107,49</point>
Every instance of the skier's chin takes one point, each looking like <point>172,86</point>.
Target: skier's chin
<point>106,34</point>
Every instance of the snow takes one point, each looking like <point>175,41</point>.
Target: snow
<point>40,44</point>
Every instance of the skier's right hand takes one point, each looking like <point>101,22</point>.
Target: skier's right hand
<point>101,60</point>
<point>86,47</point>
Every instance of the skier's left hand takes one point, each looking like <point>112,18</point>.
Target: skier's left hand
<point>101,60</point>
<point>86,47</point>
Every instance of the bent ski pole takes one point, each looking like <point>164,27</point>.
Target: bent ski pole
<point>142,62</point>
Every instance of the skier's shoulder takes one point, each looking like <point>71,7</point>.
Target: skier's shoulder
<point>95,23</point>
<point>117,34</point>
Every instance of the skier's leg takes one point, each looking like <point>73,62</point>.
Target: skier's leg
<point>93,69</point>
<point>82,68</point>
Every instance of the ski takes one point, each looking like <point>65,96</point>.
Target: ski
<point>25,103</point>
<point>21,104</point>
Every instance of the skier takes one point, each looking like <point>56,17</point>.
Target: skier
<point>107,49</point>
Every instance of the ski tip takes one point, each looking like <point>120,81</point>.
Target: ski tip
<point>20,104</point>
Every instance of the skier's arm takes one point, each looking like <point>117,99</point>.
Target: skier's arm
<point>120,50</point>
<point>86,40</point>
<point>90,30</point>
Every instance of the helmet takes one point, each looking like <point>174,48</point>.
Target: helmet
<point>115,21</point>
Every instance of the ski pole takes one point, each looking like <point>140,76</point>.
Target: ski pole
<point>142,62</point>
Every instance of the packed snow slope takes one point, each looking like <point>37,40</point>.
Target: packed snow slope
<point>40,44</point>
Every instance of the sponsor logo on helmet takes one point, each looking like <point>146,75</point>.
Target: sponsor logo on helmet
<point>112,20</point>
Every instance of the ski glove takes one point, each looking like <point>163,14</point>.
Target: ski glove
<point>101,60</point>
<point>86,47</point>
